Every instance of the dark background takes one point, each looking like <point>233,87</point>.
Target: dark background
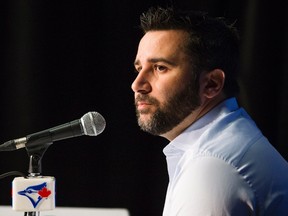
<point>62,59</point>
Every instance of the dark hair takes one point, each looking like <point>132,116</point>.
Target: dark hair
<point>212,43</point>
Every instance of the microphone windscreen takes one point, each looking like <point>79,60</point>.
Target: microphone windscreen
<point>93,123</point>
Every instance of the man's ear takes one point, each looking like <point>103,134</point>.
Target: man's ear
<point>213,83</point>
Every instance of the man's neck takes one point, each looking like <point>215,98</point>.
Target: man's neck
<point>204,108</point>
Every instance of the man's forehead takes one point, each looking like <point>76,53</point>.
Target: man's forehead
<point>161,44</point>
<point>171,36</point>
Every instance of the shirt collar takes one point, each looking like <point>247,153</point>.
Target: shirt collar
<point>180,144</point>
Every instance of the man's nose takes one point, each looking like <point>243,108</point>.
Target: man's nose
<point>141,83</point>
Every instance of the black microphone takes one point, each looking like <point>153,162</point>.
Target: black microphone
<point>91,124</point>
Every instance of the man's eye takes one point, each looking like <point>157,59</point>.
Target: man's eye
<point>160,68</point>
<point>138,69</point>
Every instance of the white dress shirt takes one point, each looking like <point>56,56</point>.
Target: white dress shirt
<point>222,165</point>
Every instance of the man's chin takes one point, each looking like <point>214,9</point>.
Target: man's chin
<point>143,118</point>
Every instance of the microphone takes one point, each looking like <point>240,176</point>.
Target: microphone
<point>91,124</point>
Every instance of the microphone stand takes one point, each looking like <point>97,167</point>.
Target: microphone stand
<point>35,166</point>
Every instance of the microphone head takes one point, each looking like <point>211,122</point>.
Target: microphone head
<point>93,123</point>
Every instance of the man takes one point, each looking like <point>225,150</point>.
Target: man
<point>219,163</point>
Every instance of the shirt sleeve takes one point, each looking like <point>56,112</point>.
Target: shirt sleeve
<point>207,186</point>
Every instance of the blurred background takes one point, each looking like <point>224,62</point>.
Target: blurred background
<point>62,59</point>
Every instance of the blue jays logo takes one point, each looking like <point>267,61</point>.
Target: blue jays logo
<point>36,193</point>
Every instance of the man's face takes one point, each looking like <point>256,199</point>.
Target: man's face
<point>165,93</point>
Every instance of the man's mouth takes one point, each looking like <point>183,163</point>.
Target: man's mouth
<point>144,103</point>
<point>141,105</point>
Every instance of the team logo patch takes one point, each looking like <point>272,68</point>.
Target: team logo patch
<point>36,194</point>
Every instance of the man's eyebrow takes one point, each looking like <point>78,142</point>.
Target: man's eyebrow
<point>136,62</point>
<point>155,60</point>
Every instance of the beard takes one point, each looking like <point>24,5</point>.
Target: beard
<point>168,115</point>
